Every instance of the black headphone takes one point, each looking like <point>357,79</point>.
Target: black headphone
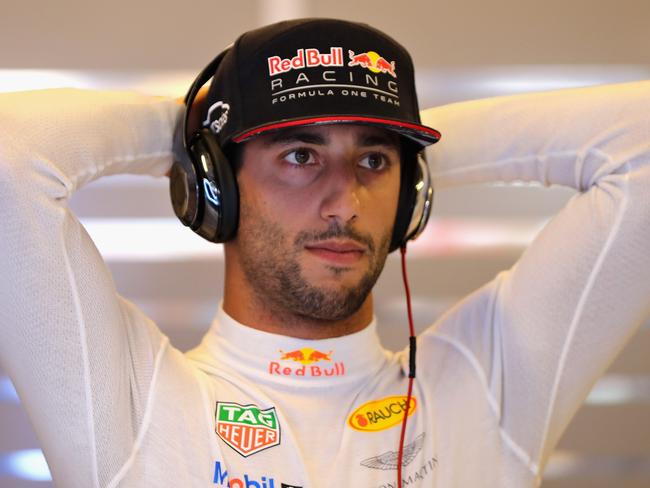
<point>204,191</point>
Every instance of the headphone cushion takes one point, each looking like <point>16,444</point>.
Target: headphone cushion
<point>406,201</point>
<point>218,189</point>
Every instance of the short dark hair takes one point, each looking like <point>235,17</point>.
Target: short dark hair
<point>235,155</point>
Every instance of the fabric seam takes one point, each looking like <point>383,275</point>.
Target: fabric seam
<point>86,365</point>
<point>516,449</point>
<point>146,419</point>
<point>580,307</point>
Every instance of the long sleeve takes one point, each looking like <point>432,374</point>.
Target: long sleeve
<point>65,330</point>
<point>542,332</point>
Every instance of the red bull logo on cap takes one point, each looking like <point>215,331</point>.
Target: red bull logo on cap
<point>305,58</point>
<point>372,61</point>
<point>338,76</point>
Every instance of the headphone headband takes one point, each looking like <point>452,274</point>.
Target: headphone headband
<point>204,76</point>
<point>203,186</point>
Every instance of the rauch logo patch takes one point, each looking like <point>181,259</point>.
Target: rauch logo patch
<point>247,428</point>
<point>381,414</point>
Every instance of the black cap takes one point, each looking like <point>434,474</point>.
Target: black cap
<point>313,71</point>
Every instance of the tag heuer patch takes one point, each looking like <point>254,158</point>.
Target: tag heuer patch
<point>247,428</point>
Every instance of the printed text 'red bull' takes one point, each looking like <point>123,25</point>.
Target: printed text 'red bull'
<point>306,357</point>
<point>336,369</point>
<point>305,58</point>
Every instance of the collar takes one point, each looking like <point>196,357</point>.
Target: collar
<point>279,360</point>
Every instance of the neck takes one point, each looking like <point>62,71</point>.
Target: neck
<point>254,313</point>
<point>249,308</point>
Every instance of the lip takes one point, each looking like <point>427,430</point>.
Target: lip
<point>339,252</point>
<point>338,246</point>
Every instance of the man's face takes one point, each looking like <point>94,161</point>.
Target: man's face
<point>317,208</point>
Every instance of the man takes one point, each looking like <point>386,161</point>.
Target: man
<point>313,400</point>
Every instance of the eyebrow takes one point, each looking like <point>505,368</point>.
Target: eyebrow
<point>380,140</point>
<point>289,136</point>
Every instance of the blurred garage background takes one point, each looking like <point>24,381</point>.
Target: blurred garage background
<point>464,49</point>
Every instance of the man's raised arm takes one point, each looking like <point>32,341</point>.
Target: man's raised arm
<point>69,342</point>
<point>542,332</point>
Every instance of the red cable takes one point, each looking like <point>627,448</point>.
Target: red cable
<point>406,289</point>
<point>400,454</point>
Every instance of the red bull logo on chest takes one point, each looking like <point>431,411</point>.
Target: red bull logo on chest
<point>306,357</point>
<point>247,428</point>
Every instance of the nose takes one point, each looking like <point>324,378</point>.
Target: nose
<point>342,201</point>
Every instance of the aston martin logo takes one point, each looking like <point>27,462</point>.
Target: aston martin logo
<point>388,460</point>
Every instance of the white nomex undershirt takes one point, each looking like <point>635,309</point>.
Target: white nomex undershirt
<point>499,375</point>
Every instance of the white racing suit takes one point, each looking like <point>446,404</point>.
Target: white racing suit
<point>499,375</point>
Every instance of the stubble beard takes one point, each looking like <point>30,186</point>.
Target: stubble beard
<point>272,267</point>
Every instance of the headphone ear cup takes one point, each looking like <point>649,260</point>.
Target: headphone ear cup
<point>423,202</point>
<point>415,201</point>
<point>184,193</point>
<point>183,182</point>
<point>216,190</point>
<point>221,193</point>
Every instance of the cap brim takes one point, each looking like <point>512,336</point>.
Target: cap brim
<point>421,134</point>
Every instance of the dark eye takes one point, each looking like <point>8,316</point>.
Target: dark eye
<point>299,157</point>
<point>374,161</point>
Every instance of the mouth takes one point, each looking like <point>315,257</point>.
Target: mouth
<point>345,252</point>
